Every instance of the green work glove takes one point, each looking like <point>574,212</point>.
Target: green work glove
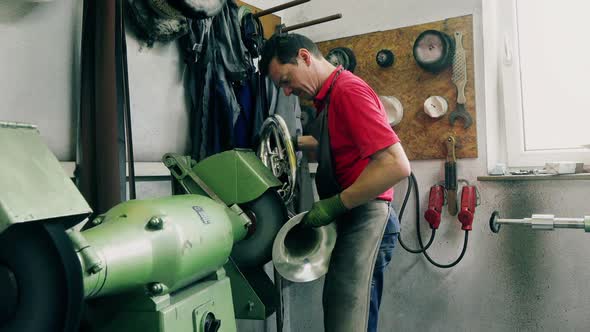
<point>324,212</point>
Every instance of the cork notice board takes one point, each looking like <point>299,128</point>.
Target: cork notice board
<point>422,137</point>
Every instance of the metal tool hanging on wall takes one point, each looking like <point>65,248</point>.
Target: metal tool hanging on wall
<point>459,78</point>
<point>451,176</point>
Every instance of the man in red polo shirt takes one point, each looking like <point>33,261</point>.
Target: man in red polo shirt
<point>360,159</point>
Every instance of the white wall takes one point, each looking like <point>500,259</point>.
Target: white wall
<point>158,104</point>
<point>38,65</point>
<point>39,74</point>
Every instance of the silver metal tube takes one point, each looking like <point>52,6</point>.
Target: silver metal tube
<point>557,223</point>
<point>525,221</point>
<point>541,222</point>
<point>569,223</point>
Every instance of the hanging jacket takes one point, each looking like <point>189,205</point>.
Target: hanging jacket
<point>216,59</point>
<point>232,52</point>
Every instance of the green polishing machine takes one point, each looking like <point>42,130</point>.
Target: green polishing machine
<point>192,261</point>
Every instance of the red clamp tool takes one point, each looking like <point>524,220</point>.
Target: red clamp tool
<point>436,200</point>
<point>469,200</point>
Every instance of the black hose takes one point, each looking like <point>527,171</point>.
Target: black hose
<point>412,183</point>
<point>450,264</point>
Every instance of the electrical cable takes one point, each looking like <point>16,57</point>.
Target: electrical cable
<point>412,183</point>
<point>444,266</point>
<point>425,248</point>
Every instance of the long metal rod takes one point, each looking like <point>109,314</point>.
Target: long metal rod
<point>312,22</point>
<point>557,222</point>
<point>569,223</point>
<point>280,7</point>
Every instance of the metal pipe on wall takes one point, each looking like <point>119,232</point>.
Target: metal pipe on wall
<point>280,7</point>
<point>310,23</point>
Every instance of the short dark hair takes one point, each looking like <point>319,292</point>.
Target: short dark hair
<point>285,48</point>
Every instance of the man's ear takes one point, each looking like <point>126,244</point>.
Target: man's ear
<point>305,55</point>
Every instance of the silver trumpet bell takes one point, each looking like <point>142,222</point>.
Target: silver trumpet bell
<point>303,254</point>
<point>278,154</point>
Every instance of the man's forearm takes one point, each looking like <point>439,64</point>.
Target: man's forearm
<point>386,168</point>
<point>309,145</point>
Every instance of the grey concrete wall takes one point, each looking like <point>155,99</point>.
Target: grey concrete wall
<point>517,280</point>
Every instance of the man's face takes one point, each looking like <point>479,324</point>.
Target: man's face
<point>293,78</point>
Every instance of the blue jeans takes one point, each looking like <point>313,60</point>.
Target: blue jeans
<point>383,258</point>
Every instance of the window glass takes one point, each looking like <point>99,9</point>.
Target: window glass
<point>554,52</point>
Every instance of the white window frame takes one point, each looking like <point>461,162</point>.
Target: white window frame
<point>505,132</point>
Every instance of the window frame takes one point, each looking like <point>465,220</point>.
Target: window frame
<point>502,23</point>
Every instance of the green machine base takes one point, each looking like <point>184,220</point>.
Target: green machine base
<point>153,265</point>
<point>203,307</point>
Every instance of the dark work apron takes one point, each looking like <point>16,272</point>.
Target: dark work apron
<point>326,182</point>
<point>348,281</point>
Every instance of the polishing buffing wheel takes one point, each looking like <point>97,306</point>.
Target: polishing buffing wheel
<point>342,56</point>
<point>385,58</point>
<point>9,291</point>
<point>269,214</point>
<point>435,106</point>
<point>433,50</point>
<point>44,276</point>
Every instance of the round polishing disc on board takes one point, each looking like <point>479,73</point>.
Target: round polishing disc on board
<point>342,56</point>
<point>433,50</point>
<point>435,106</point>
<point>385,58</point>
<point>393,108</point>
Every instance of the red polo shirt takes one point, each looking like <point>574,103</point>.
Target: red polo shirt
<point>357,124</point>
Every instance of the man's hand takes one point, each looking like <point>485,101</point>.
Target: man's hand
<point>324,212</point>
<point>307,143</point>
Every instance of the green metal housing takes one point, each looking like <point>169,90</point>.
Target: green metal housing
<point>158,263</point>
<point>159,245</point>
<point>236,176</point>
<point>35,186</point>
<point>254,294</point>
<point>185,310</point>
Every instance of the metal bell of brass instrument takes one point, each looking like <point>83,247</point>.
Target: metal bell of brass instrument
<point>303,254</point>
<point>278,154</point>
